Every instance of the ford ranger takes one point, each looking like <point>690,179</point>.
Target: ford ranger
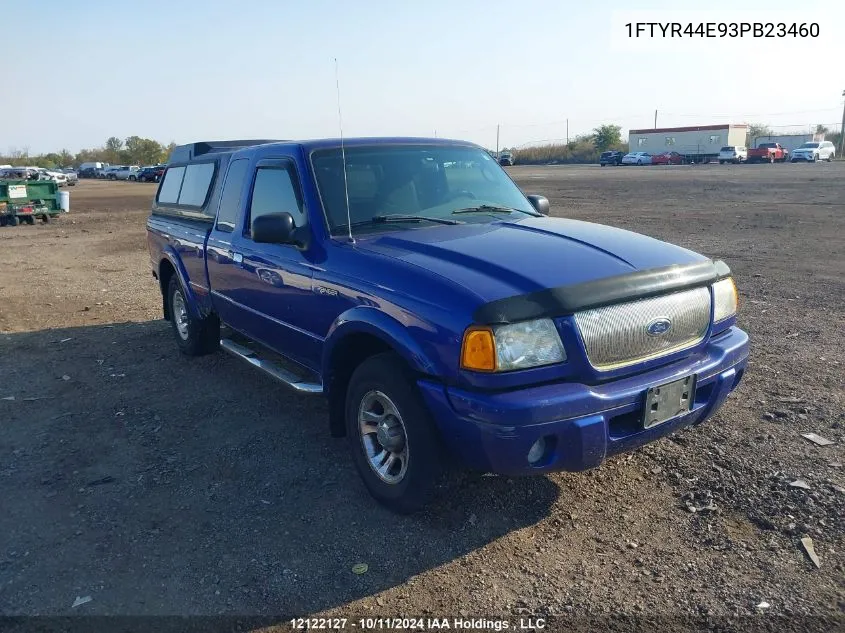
<point>441,311</point>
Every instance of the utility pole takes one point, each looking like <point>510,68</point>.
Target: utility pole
<point>497,141</point>
<point>567,131</point>
<point>655,119</point>
<point>842,131</point>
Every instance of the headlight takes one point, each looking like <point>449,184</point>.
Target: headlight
<point>512,346</point>
<point>724,299</point>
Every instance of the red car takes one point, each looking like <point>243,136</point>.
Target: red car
<point>667,158</point>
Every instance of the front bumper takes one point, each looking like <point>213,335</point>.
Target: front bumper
<point>805,157</point>
<point>582,424</point>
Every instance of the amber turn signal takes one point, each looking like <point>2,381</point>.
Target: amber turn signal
<point>478,351</point>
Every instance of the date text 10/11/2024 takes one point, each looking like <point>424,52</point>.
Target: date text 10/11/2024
<point>458,624</point>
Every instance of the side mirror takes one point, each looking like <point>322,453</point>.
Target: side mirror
<point>274,228</point>
<point>540,203</point>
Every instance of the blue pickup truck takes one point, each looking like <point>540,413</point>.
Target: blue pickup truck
<point>440,310</point>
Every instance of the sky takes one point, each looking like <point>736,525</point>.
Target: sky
<point>188,70</point>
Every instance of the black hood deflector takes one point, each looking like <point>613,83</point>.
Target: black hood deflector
<point>565,300</point>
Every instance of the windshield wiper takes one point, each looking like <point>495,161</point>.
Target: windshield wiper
<point>399,217</point>
<point>491,208</point>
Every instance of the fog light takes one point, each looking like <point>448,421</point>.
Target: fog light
<point>538,449</point>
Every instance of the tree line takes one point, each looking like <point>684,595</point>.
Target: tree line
<point>584,148</point>
<point>134,150</point>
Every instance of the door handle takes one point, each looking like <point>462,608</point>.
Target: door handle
<point>238,258</point>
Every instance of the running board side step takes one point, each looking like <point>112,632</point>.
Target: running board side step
<point>285,376</point>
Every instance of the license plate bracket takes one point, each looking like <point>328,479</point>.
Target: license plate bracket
<point>669,400</point>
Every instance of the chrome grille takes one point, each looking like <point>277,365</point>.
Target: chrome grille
<point>618,335</point>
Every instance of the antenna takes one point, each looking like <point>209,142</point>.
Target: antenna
<point>343,153</point>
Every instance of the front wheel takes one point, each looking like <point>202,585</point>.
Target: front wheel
<point>132,178</point>
<point>194,336</point>
<point>394,442</point>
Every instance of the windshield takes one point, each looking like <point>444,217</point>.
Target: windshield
<point>424,181</point>
<point>810,145</point>
<point>727,149</point>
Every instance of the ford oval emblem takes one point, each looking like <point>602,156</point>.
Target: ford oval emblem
<point>658,327</point>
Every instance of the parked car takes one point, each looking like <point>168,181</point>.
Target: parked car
<point>506,158</point>
<point>91,167</point>
<point>126,172</point>
<point>56,176</point>
<point>446,318</point>
<point>88,172</point>
<point>109,172</point>
<point>667,158</point>
<point>151,174</point>
<point>611,158</point>
<point>71,175</point>
<point>811,152</point>
<point>733,154</point>
<point>767,153</point>
<point>19,173</point>
<point>637,158</point>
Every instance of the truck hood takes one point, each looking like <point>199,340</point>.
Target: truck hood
<point>508,258</point>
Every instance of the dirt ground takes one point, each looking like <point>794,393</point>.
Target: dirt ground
<point>161,485</point>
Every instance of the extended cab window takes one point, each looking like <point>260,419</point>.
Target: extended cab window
<point>275,191</point>
<point>196,184</point>
<point>230,201</point>
<point>171,185</point>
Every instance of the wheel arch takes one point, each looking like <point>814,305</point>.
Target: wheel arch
<point>169,266</point>
<point>356,335</point>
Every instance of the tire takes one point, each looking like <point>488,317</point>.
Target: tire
<point>132,178</point>
<point>639,163</point>
<point>30,220</point>
<point>3,220</point>
<point>813,158</point>
<point>45,219</point>
<point>721,162</point>
<point>417,455</point>
<point>829,158</point>
<point>14,220</point>
<point>195,337</point>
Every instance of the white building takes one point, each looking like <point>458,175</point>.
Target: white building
<point>698,142</point>
<point>789,141</point>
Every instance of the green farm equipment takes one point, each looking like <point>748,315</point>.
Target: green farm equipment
<point>24,201</point>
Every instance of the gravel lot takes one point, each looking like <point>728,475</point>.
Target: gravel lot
<point>156,484</point>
